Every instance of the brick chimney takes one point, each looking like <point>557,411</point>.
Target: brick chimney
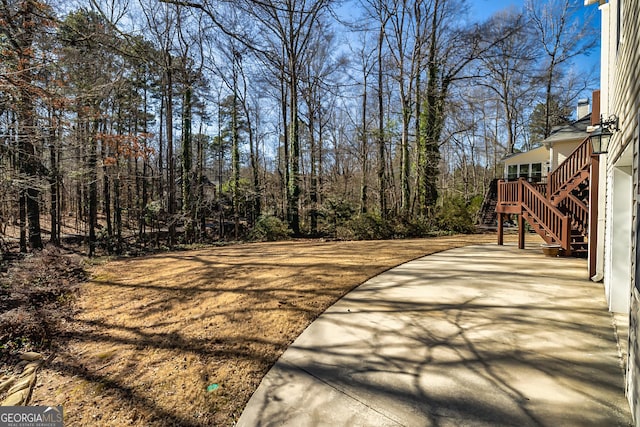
<point>595,112</point>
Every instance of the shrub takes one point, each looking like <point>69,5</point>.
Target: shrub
<point>414,227</point>
<point>336,213</point>
<point>454,216</point>
<point>110,244</point>
<point>474,206</point>
<point>370,226</point>
<point>269,228</point>
<point>344,233</point>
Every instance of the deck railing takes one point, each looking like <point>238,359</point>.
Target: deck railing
<point>523,198</point>
<point>579,212</point>
<point>508,194</point>
<point>541,188</point>
<point>577,161</point>
<point>538,204</point>
<point>557,227</point>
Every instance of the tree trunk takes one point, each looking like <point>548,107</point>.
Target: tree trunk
<point>117,210</point>
<point>547,105</point>
<point>145,171</point>
<point>171,203</point>
<point>54,185</point>
<point>202,212</point>
<point>405,168</point>
<point>285,144</point>
<point>253,159</point>
<point>160,164</point>
<point>382,190</point>
<point>294,178</point>
<point>313,160</point>
<point>22,214</point>
<point>93,189</point>
<point>106,191</point>
<point>364,149</point>
<point>235,159</point>
<point>30,164</point>
<point>187,201</point>
<point>432,122</point>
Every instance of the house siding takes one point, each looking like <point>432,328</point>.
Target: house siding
<point>537,155</point>
<point>622,85</point>
<point>633,358</point>
<point>562,150</point>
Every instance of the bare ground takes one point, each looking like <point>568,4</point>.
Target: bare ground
<point>184,338</point>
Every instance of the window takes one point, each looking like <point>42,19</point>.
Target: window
<point>524,171</point>
<point>536,172</point>
<point>512,172</point>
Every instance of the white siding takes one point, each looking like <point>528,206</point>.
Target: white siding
<point>620,95</point>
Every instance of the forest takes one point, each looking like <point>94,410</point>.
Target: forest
<point>155,123</point>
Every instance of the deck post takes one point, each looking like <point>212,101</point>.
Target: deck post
<point>567,235</point>
<point>500,228</point>
<point>592,236</point>
<point>520,215</point>
<point>520,231</point>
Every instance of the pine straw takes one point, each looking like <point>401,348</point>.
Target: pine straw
<point>35,295</point>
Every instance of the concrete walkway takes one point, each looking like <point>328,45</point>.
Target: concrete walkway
<point>475,336</point>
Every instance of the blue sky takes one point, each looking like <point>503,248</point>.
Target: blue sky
<point>482,9</point>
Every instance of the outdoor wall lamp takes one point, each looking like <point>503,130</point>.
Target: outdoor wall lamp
<point>601,136</point>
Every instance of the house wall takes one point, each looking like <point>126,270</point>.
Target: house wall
<point>550,158</point>
<point>633,366</point>
<point>620,95</point>
<point>537,155</point>
<point>561,150</point>
<point>619,225</point>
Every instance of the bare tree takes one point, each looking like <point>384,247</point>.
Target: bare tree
<point>405,39</point>
<point>319,83</point>
<point>562,35</point>
<point>507,66</point>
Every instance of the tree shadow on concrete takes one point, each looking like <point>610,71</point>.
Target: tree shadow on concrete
<point>484,345</point>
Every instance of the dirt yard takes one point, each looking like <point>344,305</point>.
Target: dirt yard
<point>184,338</point>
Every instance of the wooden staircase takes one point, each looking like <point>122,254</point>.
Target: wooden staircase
<point>557,211</point>
<point>487,215</point>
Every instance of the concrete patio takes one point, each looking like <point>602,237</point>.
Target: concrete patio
<point>476,336</point>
